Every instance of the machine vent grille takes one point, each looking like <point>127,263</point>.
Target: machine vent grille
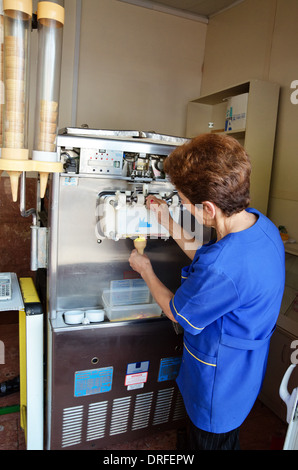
<point>142,411</point>
<point>97,418</point>
<point>120,414</point>
<point>163,406</point>
<point>72,426</point>
<point>179,410</point>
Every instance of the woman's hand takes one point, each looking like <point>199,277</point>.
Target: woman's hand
<point>159,291</point>
<point>139,263</point>
<point>160,209</point>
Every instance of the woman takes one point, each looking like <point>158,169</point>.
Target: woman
<point>230,295</point>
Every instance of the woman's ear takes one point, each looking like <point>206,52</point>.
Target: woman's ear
<point>209,208</point>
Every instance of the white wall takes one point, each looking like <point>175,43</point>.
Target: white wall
<point>138,68</point>
<point>67,72</point>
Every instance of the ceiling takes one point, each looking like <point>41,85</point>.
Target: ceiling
<point>201,8</point>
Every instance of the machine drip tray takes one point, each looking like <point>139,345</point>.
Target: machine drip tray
<point>59,322</point>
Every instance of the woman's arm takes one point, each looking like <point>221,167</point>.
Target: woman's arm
<point>184,241</point>
<point>160,292</point>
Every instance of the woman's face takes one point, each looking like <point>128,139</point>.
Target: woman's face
<point>197,211</point>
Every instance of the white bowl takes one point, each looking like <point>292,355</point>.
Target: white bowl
<point>95,315</point>
<point>73,317</point>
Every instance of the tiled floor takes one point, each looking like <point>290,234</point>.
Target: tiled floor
<point>263,430</point>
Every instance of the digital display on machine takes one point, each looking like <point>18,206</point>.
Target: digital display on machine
<point>101,161</point>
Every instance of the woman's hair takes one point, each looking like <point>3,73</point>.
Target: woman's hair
<point>212,167</point>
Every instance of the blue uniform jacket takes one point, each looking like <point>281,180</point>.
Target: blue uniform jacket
<point>228,305</point>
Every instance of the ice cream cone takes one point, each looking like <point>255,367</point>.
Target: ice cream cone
<point>43,183</point>
<point>140,244</point>
<point>14,183</point>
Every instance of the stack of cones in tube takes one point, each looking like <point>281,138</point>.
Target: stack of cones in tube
<point>15,157</point>
<point>14,131</point>
<point>14,125</point>
<point>14,47</point>
<point>47,134</point>
<point>48,125</point>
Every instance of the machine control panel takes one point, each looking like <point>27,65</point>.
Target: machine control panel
<point>101,161</point>
<point>110,162</point>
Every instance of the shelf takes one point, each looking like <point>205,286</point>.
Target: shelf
<point>238,134</point>
<point>223,95</point>
<point>257,137</point>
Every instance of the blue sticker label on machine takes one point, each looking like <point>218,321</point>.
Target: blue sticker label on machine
<point>91,382</point>
<point>169,368</point>
<point>137,367</point>
<point>70,181</point>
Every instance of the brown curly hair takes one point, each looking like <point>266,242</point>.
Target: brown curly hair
<point>212,167</point>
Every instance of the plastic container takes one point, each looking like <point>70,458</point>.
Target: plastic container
<point>74,317</point>
<point>95,315</point>
<point>131,312</point>
<point>127,292</point>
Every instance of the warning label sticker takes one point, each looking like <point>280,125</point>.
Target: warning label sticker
<point>133,379</point>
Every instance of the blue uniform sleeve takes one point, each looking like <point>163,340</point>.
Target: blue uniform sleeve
<point>203,297</point>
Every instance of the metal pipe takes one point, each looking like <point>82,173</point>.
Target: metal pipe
<point>34,227</point>
<point>23,211</point>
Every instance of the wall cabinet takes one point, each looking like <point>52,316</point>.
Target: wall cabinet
<point>258,135</point>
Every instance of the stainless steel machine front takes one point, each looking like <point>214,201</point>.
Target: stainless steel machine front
<point>113,380</point>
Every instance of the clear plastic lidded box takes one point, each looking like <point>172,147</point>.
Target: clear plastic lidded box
<point>127,292</point>
<point>129,299</point>
<point>132,312</point>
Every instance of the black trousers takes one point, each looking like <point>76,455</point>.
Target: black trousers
<point>203,440</point>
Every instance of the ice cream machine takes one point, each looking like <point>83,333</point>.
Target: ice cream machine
<point>113,356</point>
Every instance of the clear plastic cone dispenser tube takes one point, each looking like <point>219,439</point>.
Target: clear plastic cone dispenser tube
<point>50,17</point>
<point>14,159</point>
<point>17,31</point>
<point>1,73</point>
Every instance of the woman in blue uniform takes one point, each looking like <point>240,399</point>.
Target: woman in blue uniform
<point>230,294</point>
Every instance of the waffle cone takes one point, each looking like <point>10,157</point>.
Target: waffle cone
<point>14,184</point>
<point>43,183</point>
